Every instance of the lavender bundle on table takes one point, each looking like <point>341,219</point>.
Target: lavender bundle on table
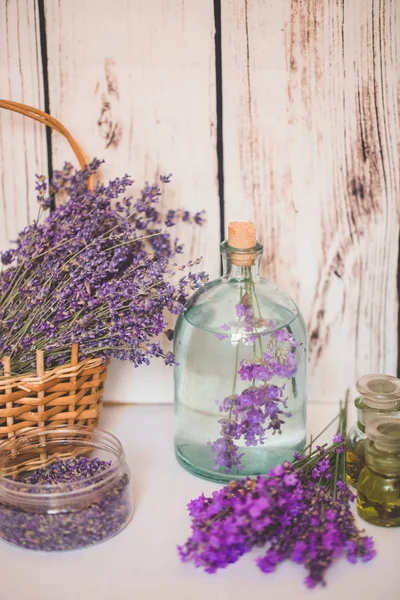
<point>98,271</point>
<point>299,511</point>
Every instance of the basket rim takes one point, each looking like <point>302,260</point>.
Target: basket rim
<point>67,370</point>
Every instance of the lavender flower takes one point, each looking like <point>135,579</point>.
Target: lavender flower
<point>294,515</point>
<point>244,308</point>
<point>251,414</point>
<point>339,440</point>
<point>98,271</point>
<point>66,470</point>
<point>247,326</point>
<point>258,408</point>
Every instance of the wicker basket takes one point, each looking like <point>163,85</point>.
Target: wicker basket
<point>70,394</point>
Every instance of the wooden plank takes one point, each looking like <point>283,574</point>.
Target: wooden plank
<point>311,127</point>
<point>22,141</point>
<point>135,84</point>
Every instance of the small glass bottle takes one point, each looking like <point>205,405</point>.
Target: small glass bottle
<point>378,493</point>
<point>379,395</point>
<point>240,381</point>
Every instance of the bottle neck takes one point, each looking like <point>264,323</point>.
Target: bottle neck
<point>359,404</point>
<point>387,464</point>
<point>366,413</point>
<point>360,420</point>
<point>241,265</point>
<point>382,450</point>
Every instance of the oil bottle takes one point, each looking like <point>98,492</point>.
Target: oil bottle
<point>379,396</point>
<point>378,494</point>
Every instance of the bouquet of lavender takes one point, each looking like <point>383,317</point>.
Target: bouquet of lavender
<point>299,511</point>
<point>97,271</point>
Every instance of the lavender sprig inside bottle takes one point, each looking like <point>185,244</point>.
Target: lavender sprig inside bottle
<point>259,409</point>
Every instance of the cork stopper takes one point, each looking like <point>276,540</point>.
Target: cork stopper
<point>242,235</point>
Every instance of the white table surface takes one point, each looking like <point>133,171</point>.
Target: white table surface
<point>141,562</point>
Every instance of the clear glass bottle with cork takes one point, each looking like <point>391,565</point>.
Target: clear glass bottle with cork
<point>379,396</point>
<point>378,493</point>
<point>240,382</point>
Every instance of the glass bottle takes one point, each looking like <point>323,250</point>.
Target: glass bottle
<point>378,493</point>
<point>240,382</point>
<point>379,395</point>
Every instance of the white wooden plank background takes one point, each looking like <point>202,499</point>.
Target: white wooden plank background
<point>310,153</point>
<point>310,132</point>
<point>139,91</point>
<point>22,141</point>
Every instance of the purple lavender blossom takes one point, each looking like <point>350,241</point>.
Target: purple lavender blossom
<point>256,409</point>
<point>251,414</point>
<point>166,178</point>
<point>247,326</point>
<point>96,271</point>
<point>7,257</point>
<point>339,439</point>
<point>43,199</point>
<point>244,308</point>
<point>226,453</point>
<point>293,516</point>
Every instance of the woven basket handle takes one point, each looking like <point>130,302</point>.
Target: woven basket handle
<point>49,121</point>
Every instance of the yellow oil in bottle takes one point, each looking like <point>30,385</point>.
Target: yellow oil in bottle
<point>355,461</point>
<point>378,499</point>
<point>378,488</point>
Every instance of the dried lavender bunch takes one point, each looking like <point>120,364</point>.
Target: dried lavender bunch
<point>300,511</point>
<point>98,271</point>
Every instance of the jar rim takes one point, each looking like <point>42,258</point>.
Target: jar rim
<point>30,494</point>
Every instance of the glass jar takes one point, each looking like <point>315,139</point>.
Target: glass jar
<point>63,488</point>
<point>378,493</point>
<point>379,395</point>
<point>240,381</point>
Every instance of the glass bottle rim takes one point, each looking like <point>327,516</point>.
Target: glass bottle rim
<point>225,248</point>
<point>58,495</point>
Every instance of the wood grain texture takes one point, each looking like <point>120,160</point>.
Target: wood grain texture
<point>135,83</point>
<point>311,121</point>
<point>310,142</point>
<point>22,141</point>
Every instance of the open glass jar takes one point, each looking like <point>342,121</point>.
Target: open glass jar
<point>63,488</point>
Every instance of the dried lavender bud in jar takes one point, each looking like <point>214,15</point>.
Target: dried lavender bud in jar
<point>100,509</point>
